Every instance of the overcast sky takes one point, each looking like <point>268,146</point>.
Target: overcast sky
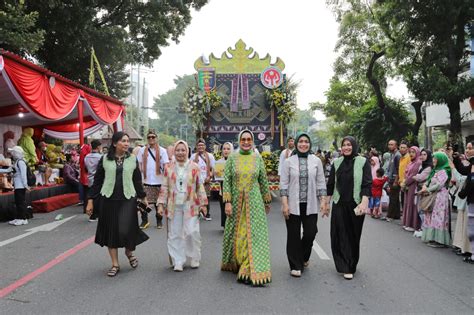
<point>302,33</point>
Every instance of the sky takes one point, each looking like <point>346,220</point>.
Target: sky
<point>302,33</point>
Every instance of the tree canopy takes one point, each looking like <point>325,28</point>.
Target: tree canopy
<point>422,42</point>
<point>121,32</point>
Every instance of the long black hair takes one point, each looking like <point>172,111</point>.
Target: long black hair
<point>117,136</point>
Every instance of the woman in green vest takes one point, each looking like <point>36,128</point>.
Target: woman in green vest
<point>117,184</point>
<point>349,186</point>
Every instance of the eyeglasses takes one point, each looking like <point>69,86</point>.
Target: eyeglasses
<point>246,140</point>
<point>151,137</point>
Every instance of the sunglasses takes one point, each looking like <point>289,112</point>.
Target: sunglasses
<point>151,137</point>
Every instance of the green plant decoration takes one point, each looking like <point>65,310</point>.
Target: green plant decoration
<point>198,104</point>
<point>283,99</point>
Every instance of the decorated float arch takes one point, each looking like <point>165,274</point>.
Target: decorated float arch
<point>241,91</point>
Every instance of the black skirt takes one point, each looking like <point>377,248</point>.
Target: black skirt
<point>118,224</point>
<point>346,230</point>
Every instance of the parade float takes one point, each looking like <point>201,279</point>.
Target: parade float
<point>240,91</point>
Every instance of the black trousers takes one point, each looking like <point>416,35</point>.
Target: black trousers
<point>222,204</point>
<point>346,231</point>
<point>298,249</point>
<point>394,202</point>
<point>20,204</point>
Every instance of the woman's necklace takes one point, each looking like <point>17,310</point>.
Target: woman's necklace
<point>180,171</point>
<point>119,160</point>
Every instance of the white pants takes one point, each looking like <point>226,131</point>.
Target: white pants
<point>184,238</point>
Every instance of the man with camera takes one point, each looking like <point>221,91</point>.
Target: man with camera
<point>152,159</point>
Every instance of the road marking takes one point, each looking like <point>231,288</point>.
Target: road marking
<point>42,228</point>
<point>321,253</point>
<point>318,249</point>
<point>12,287</point>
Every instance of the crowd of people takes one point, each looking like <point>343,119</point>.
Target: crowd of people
<point>423,189</point>
<point>415,185</point>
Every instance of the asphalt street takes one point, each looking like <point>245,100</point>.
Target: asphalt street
<point>397,273</point>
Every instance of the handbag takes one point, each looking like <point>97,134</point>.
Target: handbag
<point>427,201</point>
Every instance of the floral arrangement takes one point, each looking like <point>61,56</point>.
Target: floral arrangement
<point>199,103</point>
<point>271,161</point>
<point>284,100</point>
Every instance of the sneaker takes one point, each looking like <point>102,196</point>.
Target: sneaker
<point>348,276</point>
<point>159,225</point>
<point>144,225</point>
<point>92,219</point>
<point>417,234</point>
<point>194,264</point>
<point>178,268</point>
<point>409,229</point>
<point>12,222</point>
<point>208,218</point>
<point>21,222</point>
<point>295,273</point>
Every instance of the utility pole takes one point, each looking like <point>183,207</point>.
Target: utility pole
<point>138,101</point>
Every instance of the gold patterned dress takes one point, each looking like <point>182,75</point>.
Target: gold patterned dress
<point>246,247</point>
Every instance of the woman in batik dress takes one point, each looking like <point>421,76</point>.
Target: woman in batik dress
<point>247,198</point>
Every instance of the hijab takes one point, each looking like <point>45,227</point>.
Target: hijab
<point>386,160</point>
<point>231,149</point>
<point>296,151</point>
<point>429,160</point>
<point>375,167</point>
<point>441,164</point>
<point>415,163</point>
<point>347,163</point>
<point>355,147</point>
<point>185,145</point>
<point>253,140</point>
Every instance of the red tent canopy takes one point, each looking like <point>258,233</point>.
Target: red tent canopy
<point>36,97</point>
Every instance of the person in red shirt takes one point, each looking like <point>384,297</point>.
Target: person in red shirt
<point>83,178</point>
<point>375,206</point>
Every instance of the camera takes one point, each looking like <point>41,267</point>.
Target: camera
<point>142,207</point>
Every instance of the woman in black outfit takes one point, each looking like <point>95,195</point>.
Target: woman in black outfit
<point>349,186</point>
<point>117,184</point>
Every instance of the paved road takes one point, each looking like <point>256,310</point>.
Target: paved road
<point>397,274</point>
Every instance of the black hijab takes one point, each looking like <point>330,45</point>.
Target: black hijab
<point>301,154</point>
<point>345,173</point>
<point>429,160</point>
<point>355,147</point>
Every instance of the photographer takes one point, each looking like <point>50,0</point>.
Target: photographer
<point>468,190</point>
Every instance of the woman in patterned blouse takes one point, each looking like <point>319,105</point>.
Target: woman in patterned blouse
<point>303,189</point>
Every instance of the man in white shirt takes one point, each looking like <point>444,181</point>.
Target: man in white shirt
<point>206,162</point>
<point>152,160</point>
<point>286,153</point>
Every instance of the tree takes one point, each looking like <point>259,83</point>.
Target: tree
<point>432,50</point>
<point>18,32</point>
<point>168,106</point>
<point>121,32</point>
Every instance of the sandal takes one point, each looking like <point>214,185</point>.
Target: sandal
<point>133,261</point>
<point>113,271</point>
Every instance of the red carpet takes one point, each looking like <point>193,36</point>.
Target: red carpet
<point>55,202</point>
